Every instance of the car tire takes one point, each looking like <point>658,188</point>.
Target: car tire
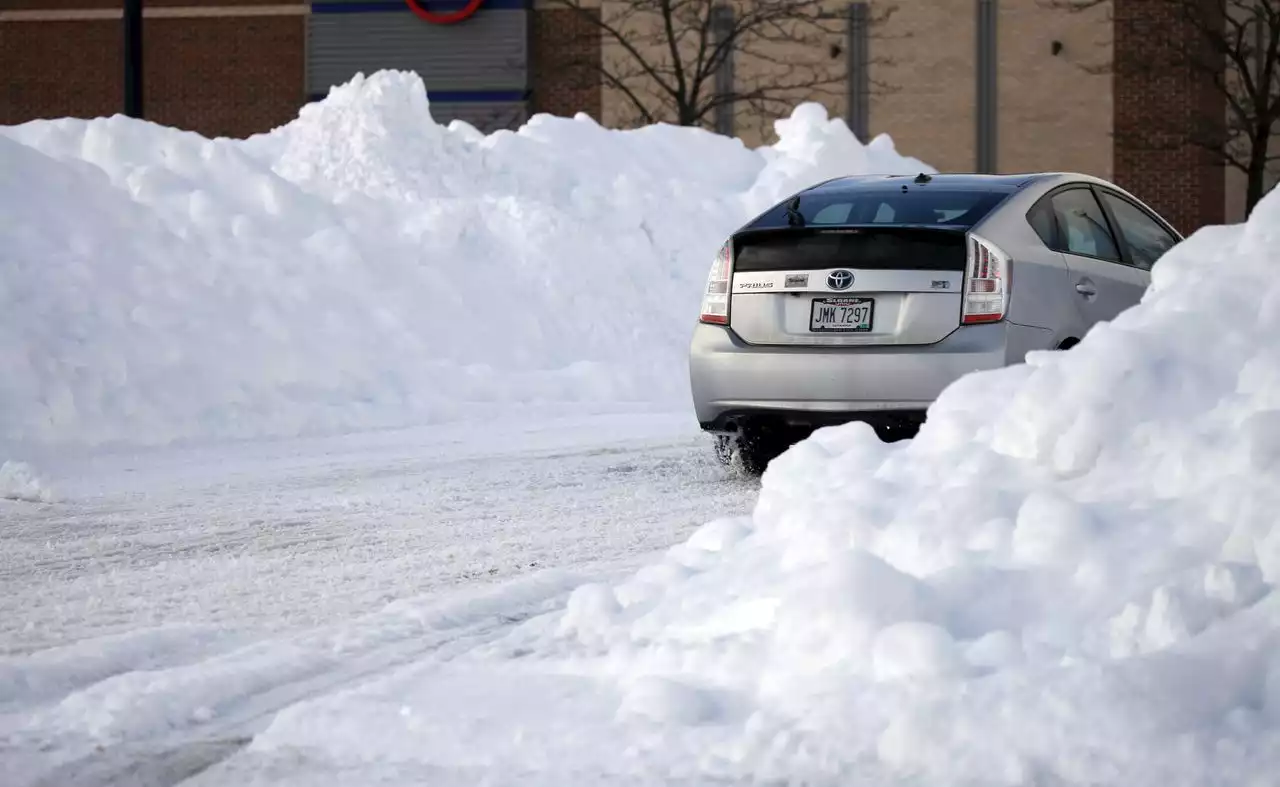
<point>896,432</point>
<point>724,449</point>
<point>750,450</point>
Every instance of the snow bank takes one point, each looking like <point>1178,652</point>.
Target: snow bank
<point>57,672</point>
<point>18,481</point>
<point>364,266</point>
<point>1068,578</point>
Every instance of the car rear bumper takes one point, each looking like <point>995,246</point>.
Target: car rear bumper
<point>813,386</point>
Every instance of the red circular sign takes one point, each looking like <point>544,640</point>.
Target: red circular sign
<point>466,12</point>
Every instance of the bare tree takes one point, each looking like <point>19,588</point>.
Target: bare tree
<point>1230,50</point>
<point>685,61</point>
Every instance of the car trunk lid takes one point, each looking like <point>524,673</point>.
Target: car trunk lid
<point>847,286</point>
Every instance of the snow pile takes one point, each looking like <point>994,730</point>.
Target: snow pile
<point>364,266</point>
<point>1068,578</point>
<point>18,481</point>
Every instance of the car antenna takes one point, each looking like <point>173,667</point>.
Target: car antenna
<point>794,217</point>
<point>923,177</point>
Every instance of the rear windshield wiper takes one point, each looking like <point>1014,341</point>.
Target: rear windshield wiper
<point>794,217</point>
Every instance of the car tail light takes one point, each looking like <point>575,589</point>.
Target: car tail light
<point>986,283</point>
<point>715,300</point>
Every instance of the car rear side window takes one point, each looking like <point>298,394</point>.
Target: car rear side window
<point>956,208</point>
<point>1082,226</point>
<point>1146,239</point>
<point>1041,219</point>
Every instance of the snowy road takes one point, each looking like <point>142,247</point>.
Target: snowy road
<point>171,603</point>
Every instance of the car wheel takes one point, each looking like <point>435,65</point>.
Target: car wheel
<point>894,432</point>
<point>750,450</point>
<point>724,449</point>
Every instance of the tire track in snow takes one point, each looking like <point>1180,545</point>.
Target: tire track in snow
<point>147,742</point>
<point>361,530</point>
<point>312,541</point>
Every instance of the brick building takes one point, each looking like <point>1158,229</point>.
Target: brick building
<point>237,67</point>
<point>977,85</point>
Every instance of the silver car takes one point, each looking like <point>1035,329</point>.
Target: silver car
<point>863,297</point>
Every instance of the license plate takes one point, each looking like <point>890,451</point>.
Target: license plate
<point>841,315</point>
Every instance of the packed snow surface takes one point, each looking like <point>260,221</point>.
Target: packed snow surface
<point>364,266</point>
<point>18,481</point>
<point>1068,578</point>
<point>174,600</point>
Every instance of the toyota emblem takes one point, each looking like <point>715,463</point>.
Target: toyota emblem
<point>840,280</point>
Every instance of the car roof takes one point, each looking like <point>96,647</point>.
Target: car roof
<point>951,181</point>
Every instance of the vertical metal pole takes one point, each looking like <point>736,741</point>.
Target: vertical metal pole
<point>858,71</point>
<point>722,27</point>
<point>133,58</point>
<point>987,78</point>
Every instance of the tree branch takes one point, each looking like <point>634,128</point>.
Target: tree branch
<point>663,57</point>
<point>1228,48</point>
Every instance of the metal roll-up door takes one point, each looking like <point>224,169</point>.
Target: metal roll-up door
<point>476,70</point>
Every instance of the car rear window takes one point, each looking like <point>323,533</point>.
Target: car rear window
<point>960,208</point>
<point>890,248</point>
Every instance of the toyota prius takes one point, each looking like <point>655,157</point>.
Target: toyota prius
<point>862,298</point>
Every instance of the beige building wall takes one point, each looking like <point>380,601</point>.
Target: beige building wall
<point>1235,191</point>
<point>922,73</point>
<point>925,56</point>
<point>1054,114</point>
<point>1236,183</point>
<point>618,108</point>
<point>1055,101</point>
<point>618,105</point>
<point>1237,186</point>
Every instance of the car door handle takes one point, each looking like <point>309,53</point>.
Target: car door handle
<point>1086,289</point>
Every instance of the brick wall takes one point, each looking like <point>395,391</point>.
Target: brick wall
<point>60,5</point>
<point>59,69</point>
<point>80,5</point>
<point>223,75</point>
<point>1159,99</point>
<point>565,62</point>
